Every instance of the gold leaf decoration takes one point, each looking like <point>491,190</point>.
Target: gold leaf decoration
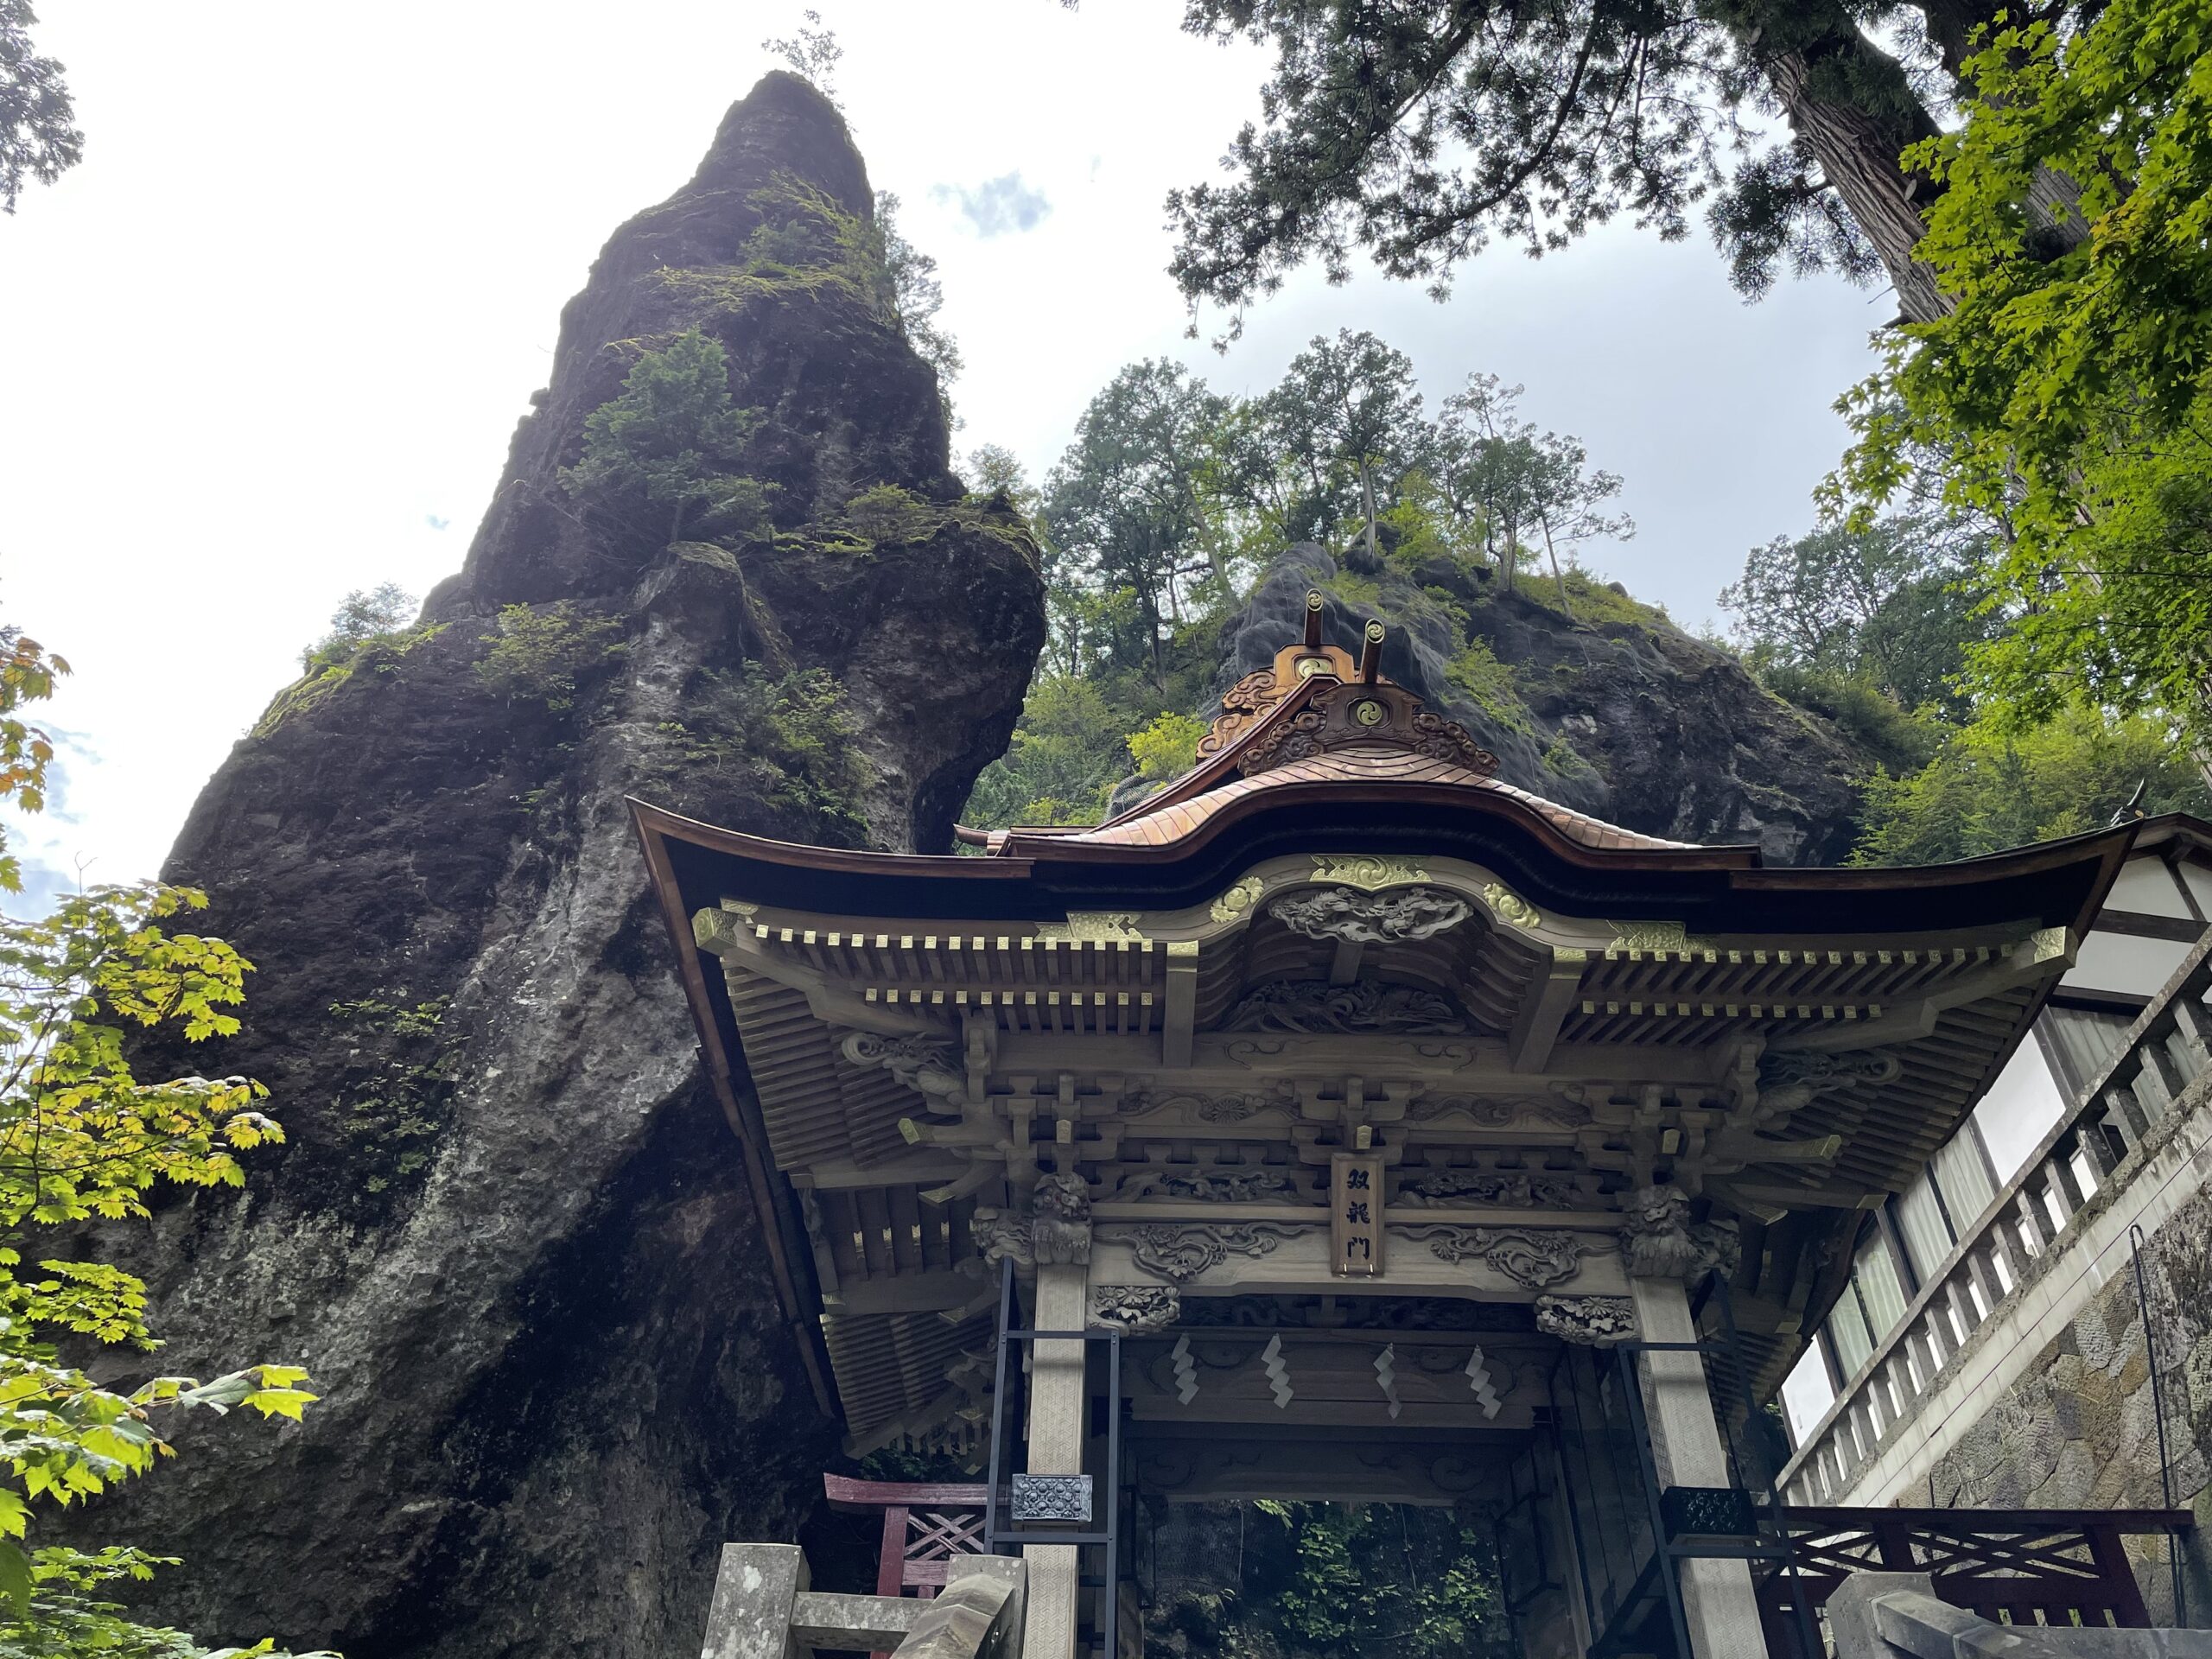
<point>1237,900</point>
<point>1652,935</point>
<point>1095,927</point>
<point>1510,906</point>
<point>1367,872</point>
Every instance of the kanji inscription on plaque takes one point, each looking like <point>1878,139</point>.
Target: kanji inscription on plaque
<point>1355,1214</point>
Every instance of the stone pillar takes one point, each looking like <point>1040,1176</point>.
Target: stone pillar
<point>1059,1408</point>
<point>1661,1251</point>
<point>755,1590</point>
<point>1718,1601</point>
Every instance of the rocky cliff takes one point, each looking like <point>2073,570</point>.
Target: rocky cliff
<point>1586,698</point>
<point>510,1233</point>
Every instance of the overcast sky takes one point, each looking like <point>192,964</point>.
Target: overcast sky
<point>268,342</point>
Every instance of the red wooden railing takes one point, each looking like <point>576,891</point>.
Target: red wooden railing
<point>924,1526</point>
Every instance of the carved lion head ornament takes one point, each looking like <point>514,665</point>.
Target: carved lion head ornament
<point>1660,1241</point>
<point>1056,1227</point>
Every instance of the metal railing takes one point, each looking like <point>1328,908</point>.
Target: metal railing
<point>2033,1216</point>
<point>2023,1566</point>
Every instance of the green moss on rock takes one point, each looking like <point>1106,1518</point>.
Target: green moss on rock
<point>380,653</point>
<point>396,1088</point>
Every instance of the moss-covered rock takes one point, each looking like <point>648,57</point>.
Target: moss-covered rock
<point>510,1233</point>
<point>1594,701</point>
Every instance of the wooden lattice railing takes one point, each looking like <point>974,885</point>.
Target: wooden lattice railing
<point>924,1526</point>
<point>2031,1218</point>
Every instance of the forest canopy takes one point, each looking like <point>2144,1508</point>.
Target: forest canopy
<point>1173,499</point>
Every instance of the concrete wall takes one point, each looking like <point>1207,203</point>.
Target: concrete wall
<point>2050,1405</point>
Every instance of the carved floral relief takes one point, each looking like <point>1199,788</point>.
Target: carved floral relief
<point>1315,1005</point>
<point>1532,1259</point>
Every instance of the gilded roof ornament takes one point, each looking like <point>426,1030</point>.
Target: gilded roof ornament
<point>1095,927</point>
<point>1238,900</point>
<point>1653,936</point>
<point>1368,872</point>
<point>1363,712</point>
<point>1510,906</point>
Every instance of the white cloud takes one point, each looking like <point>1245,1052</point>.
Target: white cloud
<point>365,239</point>
<point>997,205</point>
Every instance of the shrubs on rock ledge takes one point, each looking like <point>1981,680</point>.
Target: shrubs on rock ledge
<point>543,654</point>
<point>786,741</point>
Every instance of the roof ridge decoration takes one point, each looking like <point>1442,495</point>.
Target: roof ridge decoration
<point>1364,714</point>
<point>1344,704</point>
<point>1247,702</point>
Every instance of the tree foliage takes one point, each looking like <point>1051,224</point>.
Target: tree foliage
<point>366,613</point>
<point>1425,132</point>
<point>673,441</point>
<point>787,742</point>
<point>812,52</point>
<point>83,1137</point>
<point>1063,759</point>
<point>39,139</point>
<point>1889,601</point>
<point>1497,470</point>
<point>1347,422</point>
<point>1173,497</point>
<point>544,654</point>
<point>917,295</point>
<point>1123,506</point>
<point>1360,1585</point>
<point>1986,789</point>
<point>2067,388</point>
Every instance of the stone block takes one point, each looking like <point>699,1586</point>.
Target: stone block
<point>1896,1616</point>
<point>755,1588</point>
<point>1011,1570</point>
<point>875,1623</point>
<point>977,1617</point>
<point>1851,1610</point>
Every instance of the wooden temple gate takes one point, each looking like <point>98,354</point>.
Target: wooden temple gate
<point>1348,1088</point>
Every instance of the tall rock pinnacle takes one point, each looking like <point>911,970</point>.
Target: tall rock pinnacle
<point>510,1234</point>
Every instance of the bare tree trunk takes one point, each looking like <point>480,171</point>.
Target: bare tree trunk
<point>1558,575</point>
<point>1858,154</point>
<point>1367,500</point>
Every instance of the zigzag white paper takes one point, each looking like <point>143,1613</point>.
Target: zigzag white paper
<point>1485,1387</point>
<point>1278,1371</point>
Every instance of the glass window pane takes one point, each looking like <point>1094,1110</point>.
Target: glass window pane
<point>1928,1238</point>
<point>1879,1289</point>
<point>1963,1174</point>
<point>2014,1115</point>
<point>1806,1396</point>
<point>2081,1041</point>
<point>1848,1332</point>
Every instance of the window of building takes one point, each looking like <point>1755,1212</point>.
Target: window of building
<point>1847,1330</point>
<point>1807,1395</point>
<point>2016,1114</point>
<point>1924,1225</point>
<point>1881,1292</point>
<point>2080,1042</point>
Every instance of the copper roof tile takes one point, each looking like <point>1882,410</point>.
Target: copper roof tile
<point>1166,824</point>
